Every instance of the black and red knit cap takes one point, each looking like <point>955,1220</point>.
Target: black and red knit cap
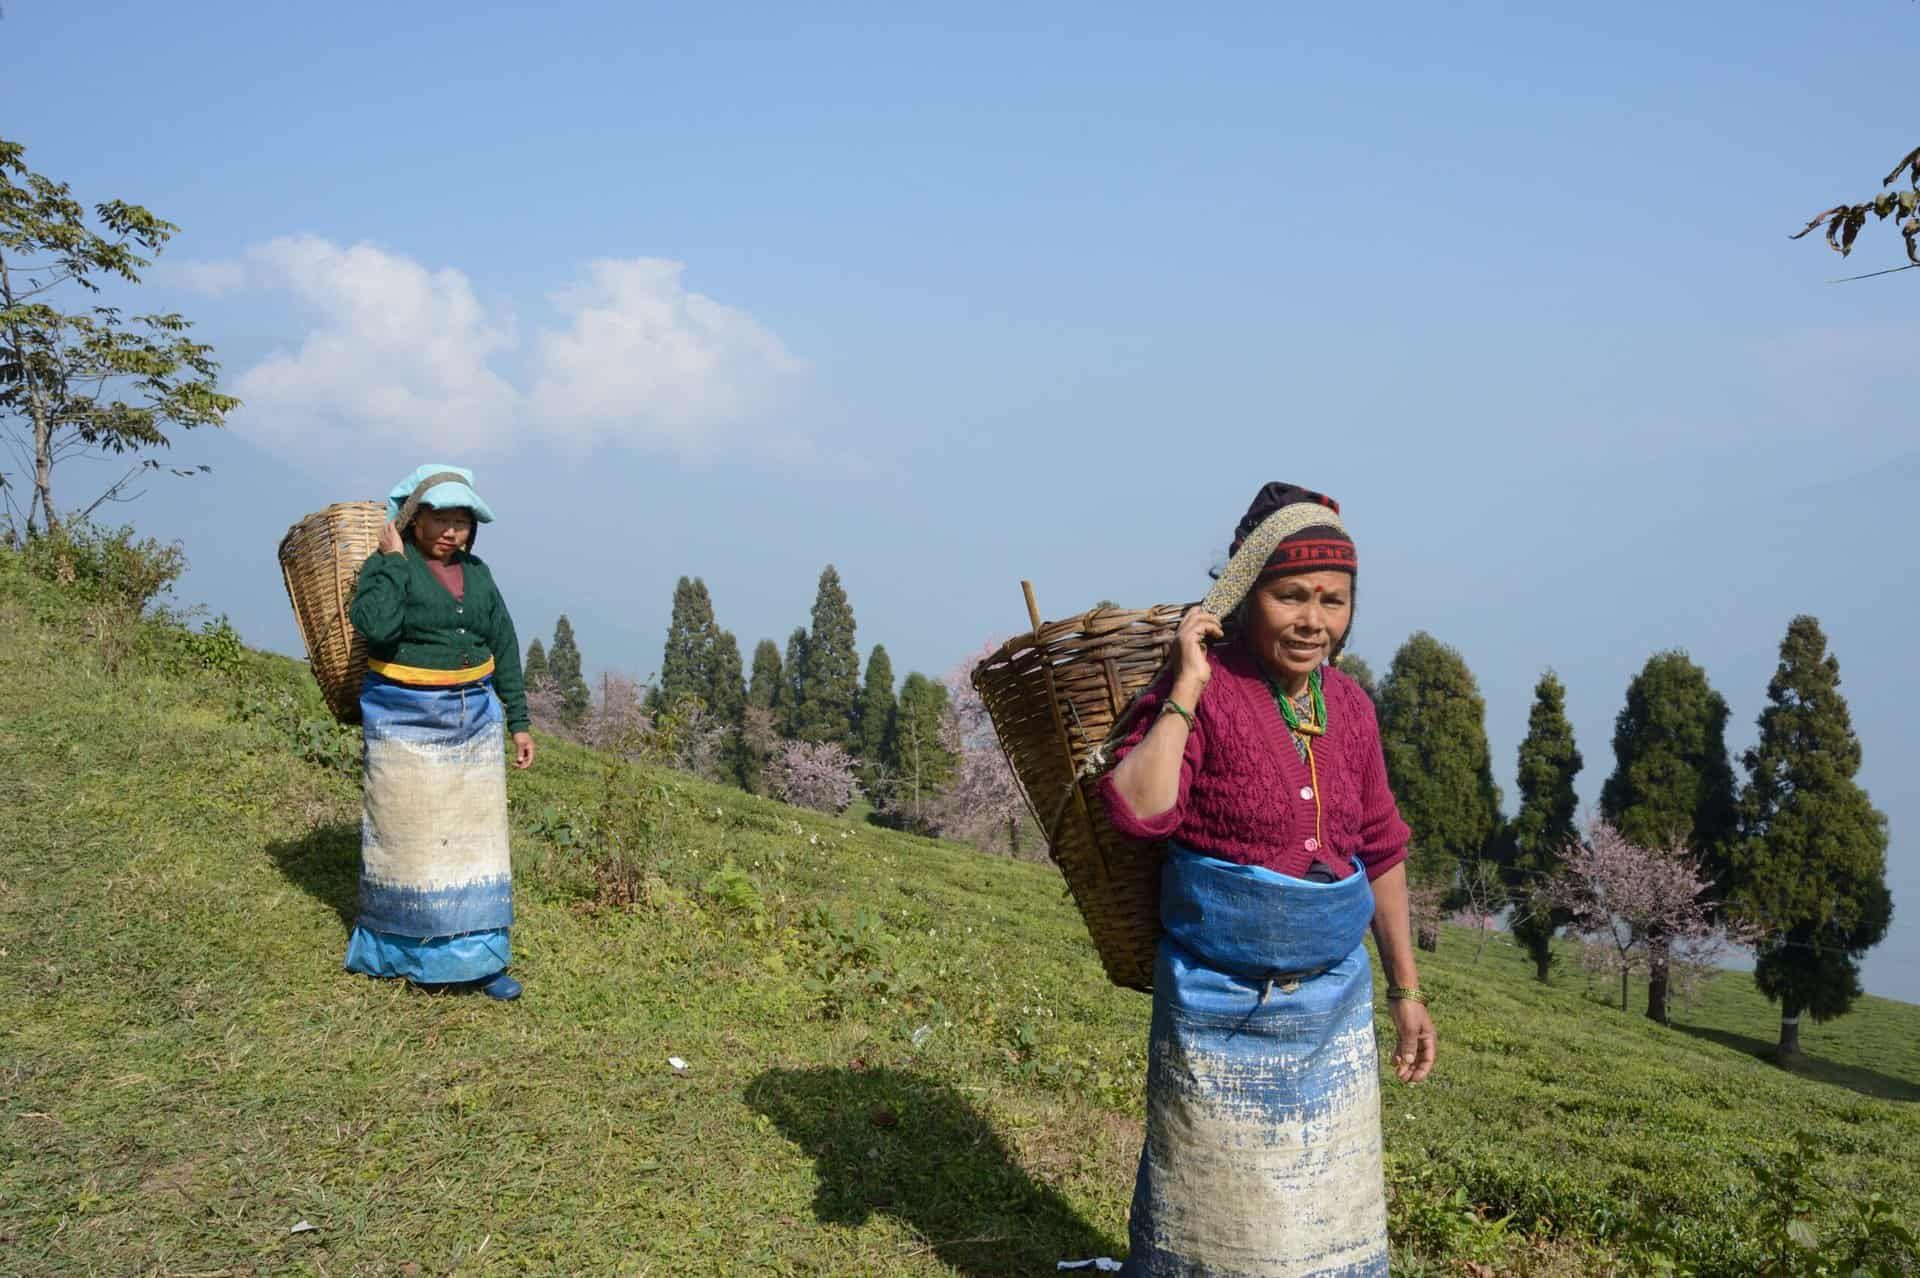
<point>1315,547</point>
<point>1287,529</point>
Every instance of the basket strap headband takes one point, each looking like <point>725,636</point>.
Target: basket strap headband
<point>412,504</point>
<point>1243,570</point>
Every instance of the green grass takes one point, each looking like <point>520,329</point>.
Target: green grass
<point>186,1073</point>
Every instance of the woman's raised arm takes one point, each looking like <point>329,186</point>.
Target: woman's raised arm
<point>1148,779</point>
<point>379,605</point>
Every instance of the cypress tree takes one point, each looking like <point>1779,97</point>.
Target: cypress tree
<point>726,698</point>
<point>832,683</point>
<point>1433,732</point>
<point>1810,867</point>
<point>1549,761</point>
<point>1359,671</point>
<point>1672,782</point>
<point>920,763</point>
<point>793,684</point>
<point>563,667</point>
<point>876,708</point>
<point>686,667</point>
<point>764,688</point>
<point>724,687</point>
<point>535,666</point>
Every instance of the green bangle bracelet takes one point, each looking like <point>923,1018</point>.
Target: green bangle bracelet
<point>1177,708</point>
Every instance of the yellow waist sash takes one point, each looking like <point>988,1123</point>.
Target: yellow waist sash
<point>422,677</point>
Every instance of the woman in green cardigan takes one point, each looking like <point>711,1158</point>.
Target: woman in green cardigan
<point>443,676</point>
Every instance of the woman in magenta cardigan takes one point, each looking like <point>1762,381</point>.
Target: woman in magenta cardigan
<point>1260,764</point>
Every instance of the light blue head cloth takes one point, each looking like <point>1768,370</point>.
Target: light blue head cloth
<point>441,496</point>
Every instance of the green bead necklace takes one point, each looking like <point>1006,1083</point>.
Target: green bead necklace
<point>1315,726</point>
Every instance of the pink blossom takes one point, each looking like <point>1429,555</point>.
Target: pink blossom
<point>546,707</point>
<point>817,775</point>
<point>1636,907</point>
<point>616,721</point>
<point>984,797</point>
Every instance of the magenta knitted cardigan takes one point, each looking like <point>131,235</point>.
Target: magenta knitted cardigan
<point>1247,796</point>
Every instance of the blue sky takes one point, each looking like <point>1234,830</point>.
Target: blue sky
<point>948,297</point>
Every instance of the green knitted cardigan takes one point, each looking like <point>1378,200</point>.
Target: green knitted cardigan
<point>410,619</point>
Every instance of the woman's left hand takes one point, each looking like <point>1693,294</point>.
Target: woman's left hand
<point>523,750</point>
<point>1413,1053</point>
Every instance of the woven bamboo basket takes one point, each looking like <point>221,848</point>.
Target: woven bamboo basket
<point>320,559</point>
<point>1056,695</point>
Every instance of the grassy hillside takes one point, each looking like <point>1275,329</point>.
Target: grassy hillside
<point>902,1057</point>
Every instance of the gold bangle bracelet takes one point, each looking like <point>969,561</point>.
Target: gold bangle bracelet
<point>1411,993</point>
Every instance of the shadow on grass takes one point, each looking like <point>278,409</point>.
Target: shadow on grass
<point>1852,1077</point>
<point>325,864</point>
<point>887,1141</point>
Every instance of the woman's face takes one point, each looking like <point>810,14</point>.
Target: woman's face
<point>1294,622</point>
<point>439,533</point>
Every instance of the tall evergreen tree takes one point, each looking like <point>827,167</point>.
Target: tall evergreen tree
<point>1810,870</point>
<point>876,708</point>
<point>793,683</point>
<point>920,763</point>
<point>1672,783</point>
<point>535,666</point>
<point>686,667</point>
<point>1350,665</point>
<point>726,698</point>
<point>1549,761</point>
<point>1433,732</point>
<point>832,683</point>
<point>725,687</point>
<point>563,667</point>
<point>763,690</point>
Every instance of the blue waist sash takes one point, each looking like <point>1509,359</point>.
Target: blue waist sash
<point>1253,923</point>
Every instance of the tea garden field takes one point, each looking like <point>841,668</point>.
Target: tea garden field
<point>901,1056</point>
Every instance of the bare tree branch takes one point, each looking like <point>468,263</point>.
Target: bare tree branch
<point>1843,221</point>
<point>1891,270</point>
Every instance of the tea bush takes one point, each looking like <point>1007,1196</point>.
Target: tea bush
<point>105,565</point>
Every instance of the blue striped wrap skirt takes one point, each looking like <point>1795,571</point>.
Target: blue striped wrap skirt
<point>1263,1146</point>
<point>436,878</point>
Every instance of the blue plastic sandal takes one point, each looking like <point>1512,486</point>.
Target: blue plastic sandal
<point>500,986</point>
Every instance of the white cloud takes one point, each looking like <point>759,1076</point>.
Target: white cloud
<point>400,354</point>
<point>212,278</point>
<point>643,359</point>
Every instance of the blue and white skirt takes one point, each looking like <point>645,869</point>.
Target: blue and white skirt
<point>436,878</point>
<point>1263,1146</point>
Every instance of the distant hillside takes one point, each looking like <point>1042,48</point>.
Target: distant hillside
<point>901,1055</point>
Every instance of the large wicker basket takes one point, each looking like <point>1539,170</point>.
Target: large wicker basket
<point>1056,696</point>
<point>320,558</point>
